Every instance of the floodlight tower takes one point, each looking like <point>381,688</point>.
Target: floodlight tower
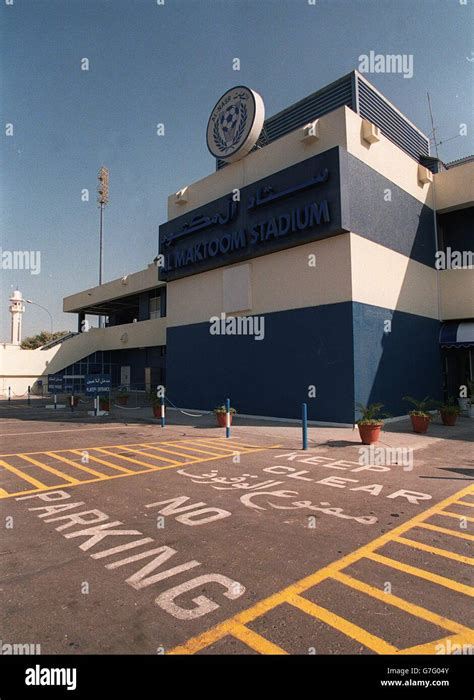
<point>102,200</point>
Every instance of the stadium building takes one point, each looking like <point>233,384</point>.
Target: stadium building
<point>318,263</point>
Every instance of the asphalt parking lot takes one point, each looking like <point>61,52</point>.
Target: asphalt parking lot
<point>129,538</point>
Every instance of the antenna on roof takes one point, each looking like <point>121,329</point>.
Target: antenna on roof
<point>433,128</point>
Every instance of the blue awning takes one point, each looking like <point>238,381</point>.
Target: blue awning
<point>457,334</point>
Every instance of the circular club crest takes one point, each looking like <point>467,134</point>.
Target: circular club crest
<point>235,124</point>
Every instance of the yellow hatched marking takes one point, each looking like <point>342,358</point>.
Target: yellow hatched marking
<point>434,550</point>
<point>23,475</point>
<point>255,641</point>
<point>448,514</point>
<point>105,463</point>
<point>147,454</point>
<point>433,647</point>
<point>125,472</point>
<point>401,603</point>
<point>56,472</point>
<point>422,573</point>
<point>205,452</point>
<point>464,503</point>
<point>178,454</point>
<point>340,623</point>
<point>76,465</point>
<point>3,493</point>
<point>447,531</point>
<point>227,446</point>
<point>130,459</point>
<point>195,644</point>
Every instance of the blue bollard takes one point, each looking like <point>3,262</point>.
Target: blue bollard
<point>227,418</point>
<point>304,418</point>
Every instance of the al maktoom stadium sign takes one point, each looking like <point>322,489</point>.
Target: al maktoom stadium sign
<point>294,206</point>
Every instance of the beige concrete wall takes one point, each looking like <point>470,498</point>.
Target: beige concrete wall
<point>343,127</point>
<point>455,187</point>
<point>279,281</point>
<point>130,284</point>
<point>280,154</point>
<point>386,159</point>
<point>382,277</point>
<point>23,367</point>
<point>457,294</point>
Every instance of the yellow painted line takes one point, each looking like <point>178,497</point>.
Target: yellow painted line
<point>127,472</point>
<point>3,493</point>
<point>434,550</point>
<point>227,447</point>
<point>433,647</point>
<point>39,485</point>
<point>206,452</point>
<point>105,463</point>
<point>131,459</point>
<point>46,467</point>
<point>340,623</point>
<point>200,641</point>
<point>422,573</point>
<point>147,454</point>
<point>448,514</point>
<point>402,604</point>
<point>178,454</point>
<point>255,641</point>
<point>83,468</point>
<point>446,531</point>
<point>464,503</point>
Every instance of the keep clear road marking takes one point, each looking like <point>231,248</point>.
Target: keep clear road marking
<point>92,452</point>
<point>291,595</point>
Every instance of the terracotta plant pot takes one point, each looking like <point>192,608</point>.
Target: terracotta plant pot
<point>221,419</point>
<point>449,418</point>
<point>157,410</point>
<point>122,400</point>
<point>369,434</point>
<point>104,404</point>
<point>420,423</point>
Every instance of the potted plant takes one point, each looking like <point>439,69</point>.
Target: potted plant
<point>449,411</point>
<point>122,396</point>
<point>370,424</point>
<point>104,403</point>
<point>420,416</point>
<point>220,412</point>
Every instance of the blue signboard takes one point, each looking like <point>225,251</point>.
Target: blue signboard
<point>55,384</point>
<point>98,383</point>
<point>294,206</point>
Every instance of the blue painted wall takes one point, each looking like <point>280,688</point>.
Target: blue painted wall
<point>339,348</point>
<point>388,366</point>
<point>269,377</point>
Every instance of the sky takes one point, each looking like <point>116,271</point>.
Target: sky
<point>168,64</point>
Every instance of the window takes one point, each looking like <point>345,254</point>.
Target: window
<point>155,306</point>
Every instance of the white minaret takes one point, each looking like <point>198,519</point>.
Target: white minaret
<point>16,310</point>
